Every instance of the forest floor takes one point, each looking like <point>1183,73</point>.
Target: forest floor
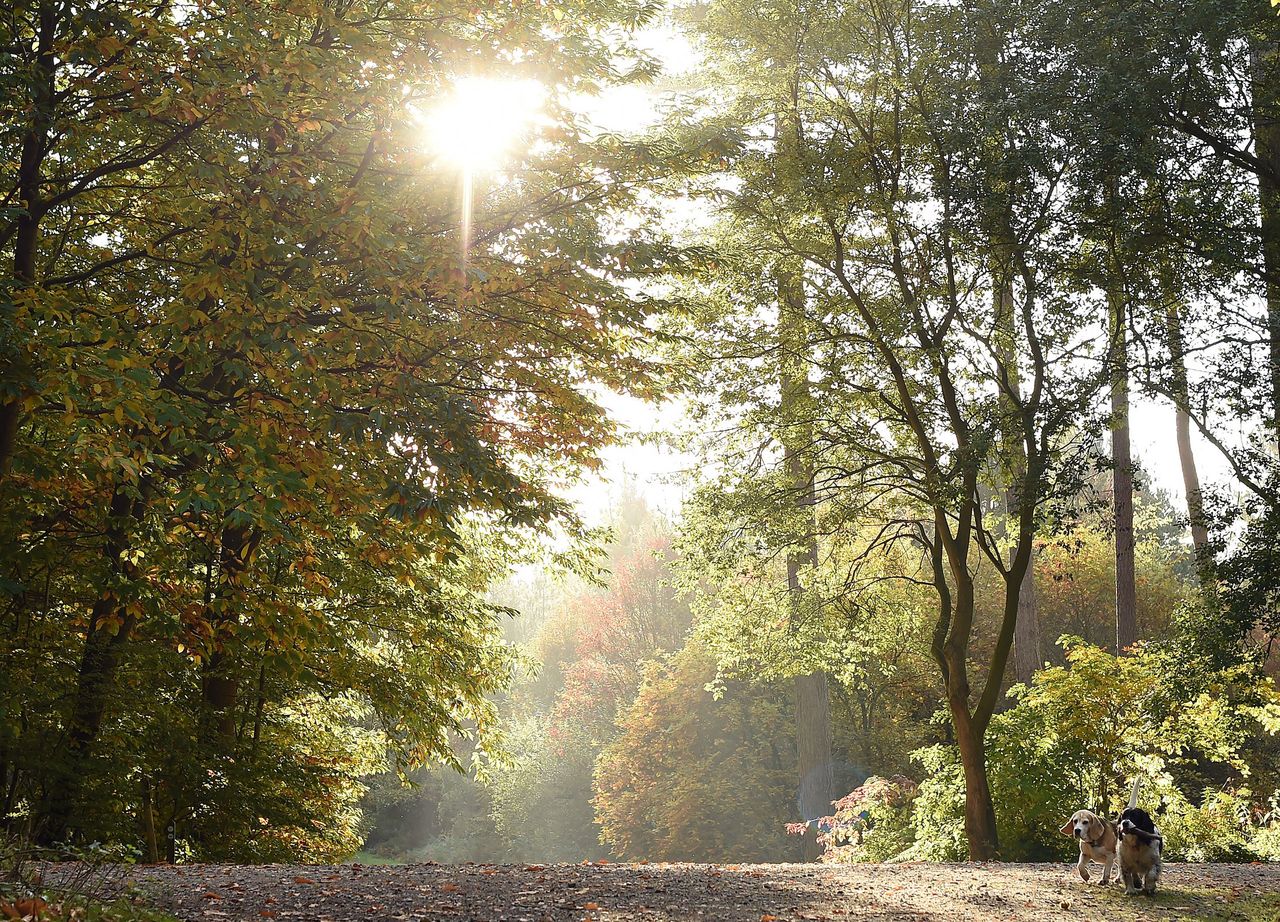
<point>603,892</point>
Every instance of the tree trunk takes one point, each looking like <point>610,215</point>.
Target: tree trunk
<point>1264,72</point>
<point>813,745</point>
<point>220,683</point>
<point>950,649</point>
<point>998,221</point>
<point>979,809</point>
<point>816,788</point>
<point>1121,454</point>
<point>816,783</point>
<point>108,630</point>
<point>1180,389</point>
<point>15,362</point>
<point>149,823</point>
<point>1027,653</point>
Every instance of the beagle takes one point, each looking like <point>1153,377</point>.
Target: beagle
<point>1097,838</point>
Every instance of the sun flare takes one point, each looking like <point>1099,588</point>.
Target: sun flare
<point>482,120</point>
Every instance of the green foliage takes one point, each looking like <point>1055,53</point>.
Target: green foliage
<point>266,433</point>
<point>1217,829</point>
<point>871,823</point>
<point>541,805</point>
<point>938,809</point>
<point>1076,738</point>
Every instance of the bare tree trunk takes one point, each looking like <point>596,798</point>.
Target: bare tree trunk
<point>813,747</point>
<point>149,823</point>
<point>970,728</point>
<point>816,789</point>
<point>1122,493</point>
<point>1180,389</point>
<point>1027,653</point>
<point>979,807</point>
<point>1121,453</point>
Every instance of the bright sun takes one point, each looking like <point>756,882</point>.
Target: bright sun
<point>482,119</point>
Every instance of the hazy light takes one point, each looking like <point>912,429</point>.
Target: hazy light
<point>482,119</point>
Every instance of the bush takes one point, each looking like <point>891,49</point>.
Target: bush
<point>938,812</point>
<point>1076,738</point>
<point>1217,830</point>
<point>870,823</point>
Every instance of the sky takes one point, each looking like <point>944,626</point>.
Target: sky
<point>659,472</point>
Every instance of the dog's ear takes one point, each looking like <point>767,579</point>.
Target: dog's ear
<point>1096,829</point>
<point>1068,827</point>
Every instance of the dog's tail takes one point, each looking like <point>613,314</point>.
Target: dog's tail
<point>1133,795</point>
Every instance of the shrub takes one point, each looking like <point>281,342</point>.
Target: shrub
<point>1216,830</point>
<point>870,823</point>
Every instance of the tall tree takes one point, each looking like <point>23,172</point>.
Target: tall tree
<point>259,427</point>
<point>911,371</point>
<point>816,787</point>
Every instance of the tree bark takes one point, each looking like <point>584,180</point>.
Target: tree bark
<point>149,823</point>
<point>1180,389</point>
<point>107,632</point>
<point>816,788</point>
<point>1121,453</point>
<point>14,363</point>
<point>816,783</point>
<point>813,746</point>
<point>1264,73</point>
<point>1027,653</point>
<point>979,807</point>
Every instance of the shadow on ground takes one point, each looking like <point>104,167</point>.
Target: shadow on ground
<point>724,893</point>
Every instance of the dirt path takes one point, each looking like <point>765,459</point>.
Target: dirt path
<point>723,893</point>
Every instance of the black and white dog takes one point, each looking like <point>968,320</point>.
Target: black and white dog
<point>1138,851</point>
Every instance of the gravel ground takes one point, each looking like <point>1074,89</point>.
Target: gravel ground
<point>603,892</point>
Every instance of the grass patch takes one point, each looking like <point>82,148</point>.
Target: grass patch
<point>371,858</point>
<point>1208,905</point>
<point>1245,907</point>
